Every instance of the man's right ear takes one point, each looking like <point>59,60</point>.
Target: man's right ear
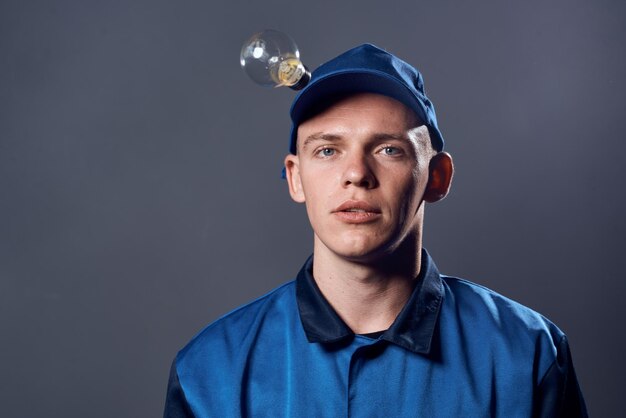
<point>292,174</point>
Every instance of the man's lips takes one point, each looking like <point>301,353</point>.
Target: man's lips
<point>357,211</point>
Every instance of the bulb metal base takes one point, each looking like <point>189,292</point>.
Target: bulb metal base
<point>304,80</point>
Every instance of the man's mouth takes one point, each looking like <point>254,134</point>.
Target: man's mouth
<point>357,211</point>
<point>357,206</point>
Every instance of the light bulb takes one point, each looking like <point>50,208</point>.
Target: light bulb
<point>271,59</point>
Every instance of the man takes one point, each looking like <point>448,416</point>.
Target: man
<point>370,327</point>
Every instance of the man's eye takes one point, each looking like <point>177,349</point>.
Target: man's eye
<point>326,152</point>
<point>391,151</point>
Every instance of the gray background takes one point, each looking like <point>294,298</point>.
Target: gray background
<point>140,195</point>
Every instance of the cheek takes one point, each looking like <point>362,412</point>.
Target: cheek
<point>410,192</point>
<point>315,196</point>
<point>318,182</point>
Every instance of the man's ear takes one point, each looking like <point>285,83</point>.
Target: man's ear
<point>292,174</point>
<point>441,170</point>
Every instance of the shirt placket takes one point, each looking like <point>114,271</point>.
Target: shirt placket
<point>362,382</point>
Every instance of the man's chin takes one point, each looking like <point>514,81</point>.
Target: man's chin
<point>364,247</point>
<point>363,254</point>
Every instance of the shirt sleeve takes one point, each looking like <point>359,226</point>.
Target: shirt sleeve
<point>176,405</point>
<point>558,394</point>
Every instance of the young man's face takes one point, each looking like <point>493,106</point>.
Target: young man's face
<point>362,169</point>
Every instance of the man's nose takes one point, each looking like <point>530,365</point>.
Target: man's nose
<point>358,172</point>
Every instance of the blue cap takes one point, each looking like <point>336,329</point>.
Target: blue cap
<point>365,68</point>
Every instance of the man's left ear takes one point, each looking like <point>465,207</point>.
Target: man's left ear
<point>441,170</point>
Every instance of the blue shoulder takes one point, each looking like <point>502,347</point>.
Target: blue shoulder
<point>501,324</point>
<point>233,331</point>
<point>500,311</point>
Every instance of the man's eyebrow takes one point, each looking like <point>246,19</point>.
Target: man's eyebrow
<point>387,136</point>
<point>320,136</point>
<point>378,137</point>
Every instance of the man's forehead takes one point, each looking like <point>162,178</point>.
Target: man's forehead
<point>385,115</point>
<point>361,104</point>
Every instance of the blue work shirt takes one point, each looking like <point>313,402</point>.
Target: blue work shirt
<point>456,349</point>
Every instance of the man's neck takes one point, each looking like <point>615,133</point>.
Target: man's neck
<point>368,296</point>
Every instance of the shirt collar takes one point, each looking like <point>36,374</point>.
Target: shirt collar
<point>413,329</point>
